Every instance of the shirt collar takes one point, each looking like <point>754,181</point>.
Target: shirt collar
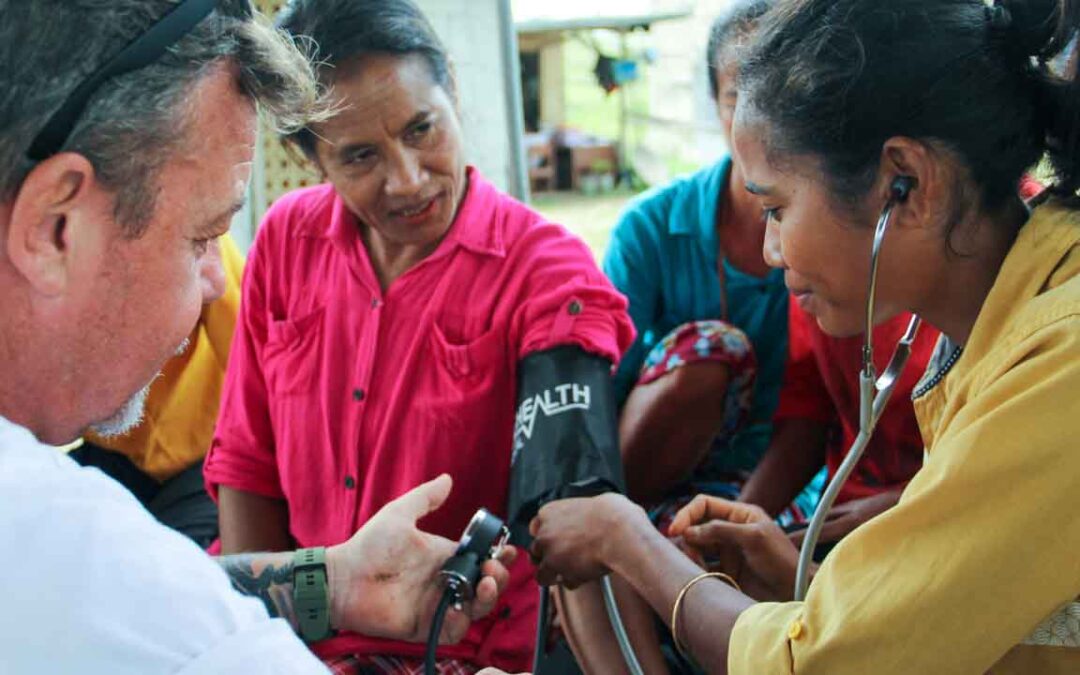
<point>1043,243</point>
<point>696,212</point>
<point>476,226</point>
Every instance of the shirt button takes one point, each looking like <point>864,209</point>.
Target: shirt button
<point>350,482</point>
<point>375,303</point>
<point>358,394</point>
<point>795,630</point>
<point>574,308</point>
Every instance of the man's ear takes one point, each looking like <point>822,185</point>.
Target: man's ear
<point>38,237</point>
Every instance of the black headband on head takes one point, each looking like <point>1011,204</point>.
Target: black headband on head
<point>144,50</point>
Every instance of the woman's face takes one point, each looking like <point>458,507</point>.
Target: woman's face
<point>823,250</point>
<point>394,153</point>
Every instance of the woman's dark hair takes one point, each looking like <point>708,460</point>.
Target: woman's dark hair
<point>726,31</point>
<point>343,30</point>
<point>834,79</point>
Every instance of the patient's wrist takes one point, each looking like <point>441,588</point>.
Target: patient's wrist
<point>628,534</point>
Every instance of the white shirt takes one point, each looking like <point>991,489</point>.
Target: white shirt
<point>91,583</point>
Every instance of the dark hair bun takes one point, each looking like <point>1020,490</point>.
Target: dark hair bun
<point>1035,26</point>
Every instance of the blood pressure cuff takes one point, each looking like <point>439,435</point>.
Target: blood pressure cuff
<point>565,433</point>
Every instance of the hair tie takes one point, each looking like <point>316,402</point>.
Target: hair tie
<point>998,17</point>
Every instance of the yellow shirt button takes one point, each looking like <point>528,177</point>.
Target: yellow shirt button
<point>795,630</point>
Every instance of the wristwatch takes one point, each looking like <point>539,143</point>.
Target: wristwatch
<point>311,594</point>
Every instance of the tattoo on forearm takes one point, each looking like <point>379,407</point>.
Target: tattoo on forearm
<point>266,576</point>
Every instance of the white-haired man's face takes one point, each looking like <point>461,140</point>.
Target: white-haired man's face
<point>131,413</point>
<point>113,309</point>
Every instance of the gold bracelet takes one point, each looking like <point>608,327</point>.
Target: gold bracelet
<point>682,594</point>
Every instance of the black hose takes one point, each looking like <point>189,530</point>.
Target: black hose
<point>448,597</point>
<point>541,627</point>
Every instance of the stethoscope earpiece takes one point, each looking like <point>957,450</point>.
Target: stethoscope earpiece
<point>902,187</point>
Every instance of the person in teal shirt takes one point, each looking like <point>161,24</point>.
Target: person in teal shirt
<point>698,388</point>
<point>664,256</point>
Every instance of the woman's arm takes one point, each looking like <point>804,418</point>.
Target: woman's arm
<point>251,522</point>
<point>569,549</point>
<point>659,571</point>
<point>667,428</point>
<point>795,454</point>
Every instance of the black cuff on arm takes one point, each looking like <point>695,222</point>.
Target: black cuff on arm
<point>565,432</point>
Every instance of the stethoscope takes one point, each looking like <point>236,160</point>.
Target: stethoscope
<point>874,391</point>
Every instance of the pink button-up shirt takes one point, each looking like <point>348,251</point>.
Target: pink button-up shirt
<point>339,397</point>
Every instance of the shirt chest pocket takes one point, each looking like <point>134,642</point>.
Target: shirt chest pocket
<point>466,378</point>
<point>293,352</point>
<point>467,361</point>
<point>467,406</point>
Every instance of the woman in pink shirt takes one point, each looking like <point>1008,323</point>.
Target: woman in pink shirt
<point>383,319</point>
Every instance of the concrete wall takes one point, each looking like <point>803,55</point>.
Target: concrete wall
<point>472,33</point>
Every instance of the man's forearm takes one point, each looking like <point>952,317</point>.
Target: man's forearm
<point>255,523</point>
<point>266,576</point>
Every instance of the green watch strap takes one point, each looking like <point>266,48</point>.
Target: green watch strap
<point>311,595</point>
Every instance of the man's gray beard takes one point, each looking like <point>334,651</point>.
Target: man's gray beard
<point>125,419</point>
<point>130,415</point>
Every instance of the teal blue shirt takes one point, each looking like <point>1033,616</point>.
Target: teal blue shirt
<point>662,256</point>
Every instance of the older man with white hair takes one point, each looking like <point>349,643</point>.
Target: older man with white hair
<point>127,132</point>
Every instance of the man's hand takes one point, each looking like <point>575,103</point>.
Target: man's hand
<point>573,537</point>
<point>384,580</point>
<point>843,519</point>
<point>740,540</point>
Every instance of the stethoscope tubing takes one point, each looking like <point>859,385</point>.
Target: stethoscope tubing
<point>874,395</point>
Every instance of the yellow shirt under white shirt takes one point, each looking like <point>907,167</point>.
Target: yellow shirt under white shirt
<point>977,568</point>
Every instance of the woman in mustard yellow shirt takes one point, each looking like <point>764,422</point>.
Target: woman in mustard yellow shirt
<point>977,569</point>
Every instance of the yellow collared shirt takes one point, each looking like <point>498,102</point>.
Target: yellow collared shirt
<point>977,568</point>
